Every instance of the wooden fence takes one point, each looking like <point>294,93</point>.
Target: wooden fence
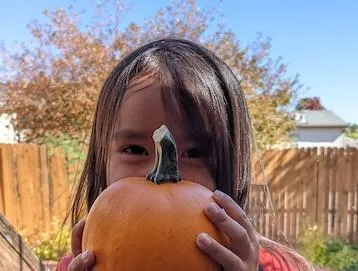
<point>315,185</point>
<point>35,187</point>
<point>15,254</point>
<point>306,187</point>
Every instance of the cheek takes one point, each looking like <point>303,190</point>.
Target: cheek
<point>198,174</point>
<point>119,169</point>
<point>121,166</point>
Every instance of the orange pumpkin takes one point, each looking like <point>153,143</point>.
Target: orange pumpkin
<point>151,223</point>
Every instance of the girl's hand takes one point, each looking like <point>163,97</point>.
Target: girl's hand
<point>232,220</point>
<point>81,261</point>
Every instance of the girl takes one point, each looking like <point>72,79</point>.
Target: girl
<point>184,86</point>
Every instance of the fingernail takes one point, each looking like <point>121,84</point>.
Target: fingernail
<point>213,209</point>
<point>204,240</point>
<point>84,256</point>
<point>218,194</point>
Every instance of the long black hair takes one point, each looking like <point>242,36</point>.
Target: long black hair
<point>206,94</point>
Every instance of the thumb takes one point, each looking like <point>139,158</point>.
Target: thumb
<point>82,261</point>
<point>76,238</point>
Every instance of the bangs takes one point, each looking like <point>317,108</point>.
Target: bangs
<point>191,89</point>
<point>192,93</point>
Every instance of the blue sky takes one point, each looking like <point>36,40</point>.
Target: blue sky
<point>318,39</point>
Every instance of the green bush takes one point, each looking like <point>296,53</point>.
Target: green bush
<point>73,148</point>
<point>74,151</point>
<point>332,252</point>
<point>50,245</point>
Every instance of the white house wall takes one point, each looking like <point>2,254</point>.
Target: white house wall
<point>319,137</point>
<point>7,134</point>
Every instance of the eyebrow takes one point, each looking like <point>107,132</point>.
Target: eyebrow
<point>130,134</point>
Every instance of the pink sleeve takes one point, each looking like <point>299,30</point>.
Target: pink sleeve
<point>270,261</point>
<point>63,263</point>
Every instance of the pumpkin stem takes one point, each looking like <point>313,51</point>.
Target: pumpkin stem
<point>166,159</point>
<point>152,173</point>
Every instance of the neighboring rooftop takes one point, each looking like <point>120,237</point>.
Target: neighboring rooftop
<point>319,118</point>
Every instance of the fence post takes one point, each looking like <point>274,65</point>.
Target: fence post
<point>2,192</point>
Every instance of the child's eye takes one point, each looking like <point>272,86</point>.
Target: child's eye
<point>192,153</point>
<point>135,150</point>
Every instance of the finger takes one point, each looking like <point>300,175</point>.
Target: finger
<point>230,227</point>
<point>82,261</point>
<point>219,253</point>
<point>76,239</point>
<point>235,212</point>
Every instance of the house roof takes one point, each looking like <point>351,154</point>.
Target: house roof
<point>319,118</point>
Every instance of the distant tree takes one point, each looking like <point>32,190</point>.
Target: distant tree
<point>51,87</point>
<point>352,131</point>
<point>308,103</point>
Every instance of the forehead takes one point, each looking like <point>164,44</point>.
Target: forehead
<point>142,109</point>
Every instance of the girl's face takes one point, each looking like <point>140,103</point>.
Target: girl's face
<point>132,148</point>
